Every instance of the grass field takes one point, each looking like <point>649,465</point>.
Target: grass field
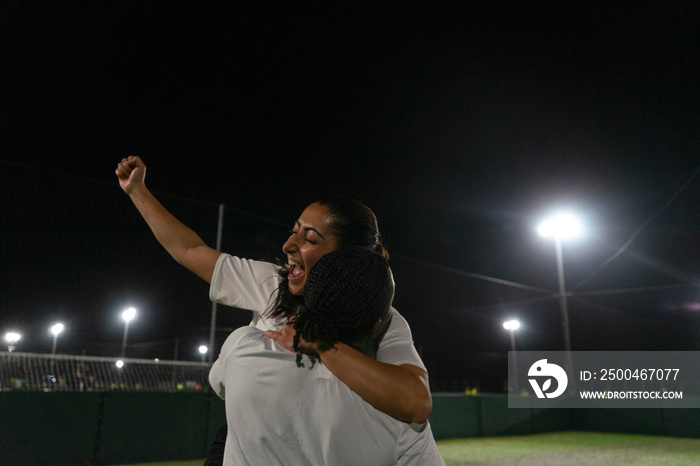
<point>571,448</point>
<point>561,448</point>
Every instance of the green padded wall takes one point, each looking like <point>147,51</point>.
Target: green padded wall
<point>682,422</point>
<point>120,427</point>
<point>647,421</point>
<point>48,428</point>
<point>498,419</point>
<point>455,417</point>
<point>142,427</point>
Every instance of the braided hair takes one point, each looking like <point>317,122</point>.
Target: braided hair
<point>347,294</point>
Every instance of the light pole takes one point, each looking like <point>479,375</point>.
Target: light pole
<point>203,351</point>
<point>56,330</point>
<point>562,226</point>
<point>128,315</point>
<point>11,338</point>
<point>512,326</point>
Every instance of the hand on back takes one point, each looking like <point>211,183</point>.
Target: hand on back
<point>285,338</point>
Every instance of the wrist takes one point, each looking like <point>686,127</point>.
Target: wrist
<point>137,191</point>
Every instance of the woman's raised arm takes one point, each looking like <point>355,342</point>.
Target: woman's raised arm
<point>182,243</point>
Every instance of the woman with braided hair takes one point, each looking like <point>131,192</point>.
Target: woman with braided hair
<point>393,380</point>
<point>340,301</point>
<point>280,413</point>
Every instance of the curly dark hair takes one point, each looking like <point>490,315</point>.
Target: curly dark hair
<point>347,298</point>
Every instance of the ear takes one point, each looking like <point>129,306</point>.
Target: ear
<point>375,328</point>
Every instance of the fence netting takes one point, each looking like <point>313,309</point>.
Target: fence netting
<point>40,372</point>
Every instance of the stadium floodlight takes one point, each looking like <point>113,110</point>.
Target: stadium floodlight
<point>11,338</point>
<point>512,325</point>
<point>56,330</point>
<point>128,315</point>
<point>203,351</point>
<point>562,226</point>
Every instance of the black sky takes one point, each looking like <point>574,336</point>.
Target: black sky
<point>460,124</point>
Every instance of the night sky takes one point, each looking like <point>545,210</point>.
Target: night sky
<point>460,124</point>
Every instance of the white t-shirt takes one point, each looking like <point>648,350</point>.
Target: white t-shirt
<point>250,284</point>
<point>317,419</point>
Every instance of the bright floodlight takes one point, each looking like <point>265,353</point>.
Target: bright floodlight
<point>511,325</point>
<point>12,337</point>
<point>129,315</point>
<point>120,364</point>
<point>56,329</point>
<point>203,351</point>
<point>562,225</point>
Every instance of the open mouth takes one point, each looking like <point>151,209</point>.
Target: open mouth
<point>296,270</point>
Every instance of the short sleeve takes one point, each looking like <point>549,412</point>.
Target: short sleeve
<point>397,345</point>
<point>244,283</point>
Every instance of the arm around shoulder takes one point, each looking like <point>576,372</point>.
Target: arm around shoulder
<point>402,391</point>
<point>396,383</point>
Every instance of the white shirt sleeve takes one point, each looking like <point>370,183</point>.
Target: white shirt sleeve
<point>397,345</point>
<point>245,284</point>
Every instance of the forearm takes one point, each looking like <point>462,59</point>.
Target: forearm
<point>402,392</point>
<point>181,242</point>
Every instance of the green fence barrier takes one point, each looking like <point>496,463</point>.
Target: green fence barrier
<point>69,428</point>
<point>456,416</point>
<point>629,421</point>
<point>143,427</point>
<point>681,422</point>
<point>497,419</point>
<point>48,428</point>
<point>459,416</point>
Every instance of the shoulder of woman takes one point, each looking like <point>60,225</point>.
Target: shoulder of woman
<point>236,262</point>
<point>240,337</point>
<point>397,320</point>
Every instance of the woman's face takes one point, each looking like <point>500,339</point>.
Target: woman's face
<point>310,239</point>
